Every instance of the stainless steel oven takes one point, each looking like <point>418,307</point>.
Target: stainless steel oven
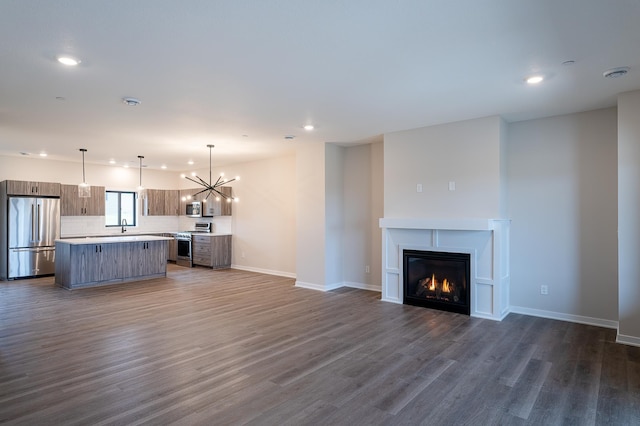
<point>185,255</point>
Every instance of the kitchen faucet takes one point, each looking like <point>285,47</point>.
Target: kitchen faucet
<point>123,223</point>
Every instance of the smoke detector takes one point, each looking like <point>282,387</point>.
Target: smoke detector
<point>616,72</point>
<point>131,101</point>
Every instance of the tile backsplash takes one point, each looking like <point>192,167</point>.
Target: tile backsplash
<point>83,226</point>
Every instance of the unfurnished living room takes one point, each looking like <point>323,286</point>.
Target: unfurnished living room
<point>295,212</point>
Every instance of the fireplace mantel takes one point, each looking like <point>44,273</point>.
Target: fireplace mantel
<point>473,224</point>
<point>487,240</point>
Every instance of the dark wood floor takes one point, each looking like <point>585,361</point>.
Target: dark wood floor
<point>233,347</point>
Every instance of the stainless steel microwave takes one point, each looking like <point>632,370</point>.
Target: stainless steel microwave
<point>194,209</point>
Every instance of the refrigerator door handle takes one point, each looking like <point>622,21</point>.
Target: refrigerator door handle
<point>33,225</point>
<point>34,250</point>
<point>39,234</point>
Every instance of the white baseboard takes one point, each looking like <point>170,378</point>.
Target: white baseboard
<point>264,271</point>
<point>628,340</point>
<point>363,286</point>
<point>319,287</point>
<point>565,317</point>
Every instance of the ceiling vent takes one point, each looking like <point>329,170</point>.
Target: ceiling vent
<point>616,72</point>
<point>131,101</point>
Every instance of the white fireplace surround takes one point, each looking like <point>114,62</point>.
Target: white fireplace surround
<point>486,240</point>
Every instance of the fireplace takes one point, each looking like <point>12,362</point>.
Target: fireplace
<point>438,280</point>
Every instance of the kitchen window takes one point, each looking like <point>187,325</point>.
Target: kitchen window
<point>120,206</point>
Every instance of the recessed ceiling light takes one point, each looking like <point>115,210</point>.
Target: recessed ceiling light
<point>68,61</point>
<point>126,166</point>
<point>616,72</point>
<point>190,162</point>
<point>309,127</point>
<point>112,161</point>
<point>534,79</point>
<point>163,166</point>
<point>43,154</point>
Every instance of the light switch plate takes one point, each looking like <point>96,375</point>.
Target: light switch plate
<point>452,185</point>
<point>419,187</point>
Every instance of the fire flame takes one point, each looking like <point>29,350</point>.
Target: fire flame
<point>445,288</point>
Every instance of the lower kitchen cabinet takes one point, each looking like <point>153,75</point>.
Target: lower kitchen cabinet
<point>84,263</point>
<point>213,251</point>
<point>172,250</point>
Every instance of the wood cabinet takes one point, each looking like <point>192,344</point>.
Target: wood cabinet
<point>172,202</point>
<point>91,264</point>
<point>221,207</point>
<point>153,202</point>
<point>213,251</point>
<point>73,205</point>
<point>39,189</point>
<point>172,249</point>
<point>145,258</point>
<point>161,202</point>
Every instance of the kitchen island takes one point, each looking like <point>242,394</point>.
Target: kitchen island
<point>94,261</point>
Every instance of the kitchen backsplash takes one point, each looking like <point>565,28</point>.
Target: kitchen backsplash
<point>82,226</point>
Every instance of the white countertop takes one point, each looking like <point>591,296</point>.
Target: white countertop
<point>209,234</point>
<point>115,239</point>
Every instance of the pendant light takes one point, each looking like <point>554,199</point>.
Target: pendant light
<point>140,187</point>
<point>84,190</point>
<point>215,188</point>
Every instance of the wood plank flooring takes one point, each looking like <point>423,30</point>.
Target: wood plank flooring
<point>232,347</point>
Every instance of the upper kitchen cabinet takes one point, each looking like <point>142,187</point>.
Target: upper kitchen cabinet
<point>153,202</point>
<point>73,205</point>
<point>36,189</point>
<point>161,202</point>
<point>221,207</point>
<point>171,202</point>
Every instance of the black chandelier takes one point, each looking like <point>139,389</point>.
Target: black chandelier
<point>215,188</point>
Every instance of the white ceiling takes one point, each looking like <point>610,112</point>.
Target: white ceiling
<point>212,71</point>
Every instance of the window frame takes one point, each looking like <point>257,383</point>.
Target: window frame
<point>135,208</point>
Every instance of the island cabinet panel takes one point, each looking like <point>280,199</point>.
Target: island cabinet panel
<point>213,251</point>
<point>36,189</point>
<point>86,265</point>
<point>78,265</point>
<point>146,258</point>
<point>73,205</point>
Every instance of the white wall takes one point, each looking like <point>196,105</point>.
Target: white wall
<point>310,215</point>
<point>363,206</point>
<point>562,203</point>
<point>628,217</point>
<point>264,219</point>
<point>466,152</point>
<point>334,215</point>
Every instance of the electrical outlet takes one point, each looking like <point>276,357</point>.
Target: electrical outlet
<point>544,289</point>
<point>367,269</point>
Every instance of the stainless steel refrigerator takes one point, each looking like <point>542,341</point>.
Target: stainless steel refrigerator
<point>33,227</point>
